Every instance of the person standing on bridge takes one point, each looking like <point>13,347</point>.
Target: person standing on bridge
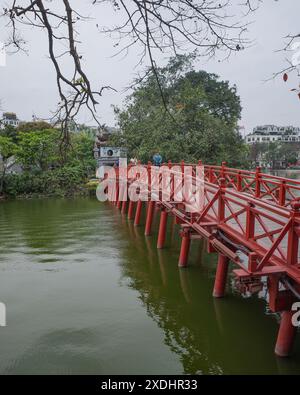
<point>157,159</point>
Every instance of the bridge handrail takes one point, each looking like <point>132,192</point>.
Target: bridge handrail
<point>279,190</point>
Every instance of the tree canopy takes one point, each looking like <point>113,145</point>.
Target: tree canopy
<point>38,148</point>
<point>200,121</point>
<point>34,125</point>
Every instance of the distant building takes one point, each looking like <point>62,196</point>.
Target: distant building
<point>272,133</point>
<point>265,155</point>
<point>9,119</point>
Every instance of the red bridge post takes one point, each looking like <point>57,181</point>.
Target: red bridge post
<point>223,170</point>
<point>221,276</point>
<point>257,182</point>
<point>116,194</point>
<point>221,202</point>
<point>282,193</point>
<point>130,209</point>
<point>149,217</point>
<point>286,335</point>
<point>162,228</point>
<point>124,207</point>
<point>239,182</point>
<point>138,213</point>
<point>185,248</point>
<point>119,202</point>
<point>293,236</point>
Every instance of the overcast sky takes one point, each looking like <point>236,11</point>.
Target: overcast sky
<point>28,81</point>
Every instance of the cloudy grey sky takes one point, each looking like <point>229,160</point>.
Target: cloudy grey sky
<point>28,81</point>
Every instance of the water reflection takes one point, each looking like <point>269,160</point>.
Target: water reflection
<point>208,335</point>
<point>88,293</point>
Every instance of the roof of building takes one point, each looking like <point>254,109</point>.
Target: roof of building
<point>10,115</point>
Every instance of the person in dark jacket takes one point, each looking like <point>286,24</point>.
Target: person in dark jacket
<point>157,159</point>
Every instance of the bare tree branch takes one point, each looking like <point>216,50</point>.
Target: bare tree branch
<point>169,26</point>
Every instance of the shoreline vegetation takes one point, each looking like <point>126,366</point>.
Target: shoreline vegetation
<point>36,164</point>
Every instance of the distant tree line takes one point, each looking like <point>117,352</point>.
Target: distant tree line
<point>274,154</point>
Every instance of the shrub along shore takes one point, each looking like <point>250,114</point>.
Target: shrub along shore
<point>34,163</point>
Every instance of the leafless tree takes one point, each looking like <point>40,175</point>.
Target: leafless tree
<point>172,26</point>
<point>290,47</point>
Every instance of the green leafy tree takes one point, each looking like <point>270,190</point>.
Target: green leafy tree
<point>34,126</point>
<point>198,119</point>
<point>11,132</point>
<point>274,152</point>
<point>7,150</point>
<point>44,170</point>
<point>38,149</point>
<point>81,152</point>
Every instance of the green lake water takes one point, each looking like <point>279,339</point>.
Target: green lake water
<point>87,293</point>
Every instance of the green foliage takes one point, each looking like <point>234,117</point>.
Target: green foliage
<point>33,126</point>
<point>292,158</point>
<point>38,149</point>
<point>201,122</point>
<point>62,181</point>
<point>81,151</point>
<point>9,131</point>
<point>7,150</point>
<point>45,172</point>
<point>7,147</point>
<point>273,152</point>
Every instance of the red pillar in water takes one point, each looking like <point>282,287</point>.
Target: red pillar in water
<point>149,217</point>
<point>130,209</point>
<point>138,213</point>
<point>286,335</point>
<point>185,248</point>
<point>116,194</point>
<point>124,207</point>
<point>221,276</point>
<point>119,204</point>
<point>162,229</point>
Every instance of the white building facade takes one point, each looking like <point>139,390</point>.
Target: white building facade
<point>9,119</point>
<point>260,151</point>
<point>272,133</point>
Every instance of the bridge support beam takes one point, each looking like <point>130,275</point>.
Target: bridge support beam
<point>119,203</point>
<point>124,207</point>
<point>221,276</point>
<point>138,212</point>
<point>149,217</point>
<point>162,229</point>
<point>130,209</point>
<point>185,248</point>
<point>286,335</point>
<point>116,194</point>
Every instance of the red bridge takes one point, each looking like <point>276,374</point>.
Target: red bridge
<point>249,218</point>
